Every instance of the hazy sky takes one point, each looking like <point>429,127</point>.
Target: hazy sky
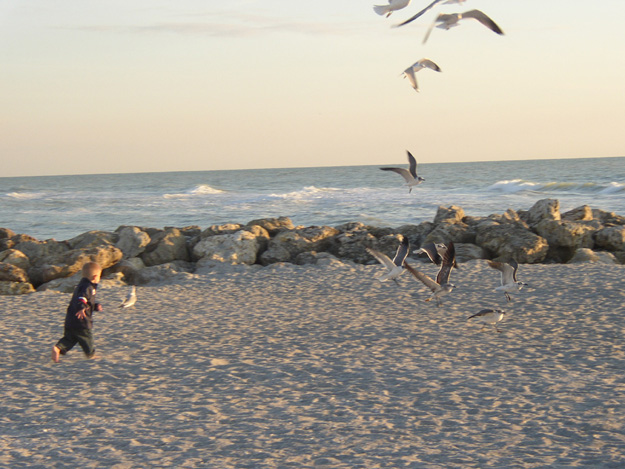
<point>135,85</point>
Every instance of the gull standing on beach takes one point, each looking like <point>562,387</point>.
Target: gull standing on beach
<point>449,21</point>
<point>395,267</point>
<point>489,316</point>
<point>131,298</point>
<point>509,282</point>
<point>409,175</point>
<point>415,67</point>
<point>393,5</point>
<point>441,286</point>
<point>417,15</point>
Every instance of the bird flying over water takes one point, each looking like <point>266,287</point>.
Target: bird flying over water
<point>131,299</point>
<point>393,5</point>
<point>395,267</point>
<point>509,282</point>
<point>489,316</point>
<point>409,175</point>
<point>449,21</point>
<point>417,15</point>
<point>441,286</point>
<point>415,67</point>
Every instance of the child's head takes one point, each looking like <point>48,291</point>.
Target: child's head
<point>92,271</point>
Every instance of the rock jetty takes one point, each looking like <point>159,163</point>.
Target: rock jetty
<point>140,255</point>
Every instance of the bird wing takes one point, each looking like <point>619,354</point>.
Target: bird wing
<point>427,281</point>
<point>409,72</point>
<point>429,31</point>
<point>483,312</point>
<point>449,259</point>
<point>432,253</point>
<point>507,271</point>
<point>484,19</point>
<point>402,172</point>
<point>429,64</point>
<point>415,16</point>
<point>382,258</point>
<point>402,252</point>
<point>413,164</point>
<point>514,265</point>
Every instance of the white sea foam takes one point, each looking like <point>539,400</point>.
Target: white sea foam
<point>519,185</point>
<point>306,192</point>
<point>199,190</point>
<point>24,195</point>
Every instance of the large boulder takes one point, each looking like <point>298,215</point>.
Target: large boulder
<point>15,288</point>
<point>352,245</point>
<point>286,245</point>
<point>545,209</point>
<point>132,241</point>
<point>6,233</point>
<point>611,238</point>
<point>16,258</point>
<point>447,231</point>
<point>274,225</point>
<point>588,255</point>
<point>567,234</point>
<point>92,239</point>
<point>240,247</point>
<point>162,272</point>
<point>451,214</point>
<point>227,228</point>
<point>583,213</point>
<point>11,273</point>
<point>166,246</point>
<point>41,252</point>
<point>511,241</point>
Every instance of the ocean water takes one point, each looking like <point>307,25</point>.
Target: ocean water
<point>62,207</point>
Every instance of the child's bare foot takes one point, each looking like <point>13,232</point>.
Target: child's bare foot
<point>56,352</point>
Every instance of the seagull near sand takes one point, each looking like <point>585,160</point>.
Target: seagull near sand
<point>415,67</point>
<point>489,316</point>
<point>393,5</point>
<point>131,299</point>
<point>441,286</point>
<point>509,282</point>
<point>409,175</point>
<point>451,20</point>
<point>435,251</point>
<point>435,2</point>
<point>394,267</point>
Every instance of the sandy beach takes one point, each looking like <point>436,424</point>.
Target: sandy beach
<point>323,366</point>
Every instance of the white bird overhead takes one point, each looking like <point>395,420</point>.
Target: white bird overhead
<point>509,282</point>
<point>449,21</point>
<point>417,15</point>
<point>415,67</point>
<point>393,5</point>
<point>395,267</point>
<point>409,175</point>
<point>131,299</point>
<point>435,252</point>
<point>441,286</point>
<point>489,316</point>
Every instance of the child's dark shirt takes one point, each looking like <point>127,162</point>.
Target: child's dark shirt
<point>83,298</point>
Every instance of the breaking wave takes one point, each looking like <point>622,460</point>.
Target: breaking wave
<point>202,189</point>
<point>519,185</point>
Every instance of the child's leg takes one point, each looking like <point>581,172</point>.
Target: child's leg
<point>64,345</point>
<point>85,339</point>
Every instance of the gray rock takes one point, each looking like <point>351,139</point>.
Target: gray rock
<point>545,209</point>
<point>352,245</point>
<point>15,288</point>
<point>274,225</point>
<point>583,213</point>
<point>286,245</point>
<point>16,258</point>
<point>570,234</point>
<point>12,273</point>
<point>165,247</point>
<point>240,247</point>
<point>588,255</point>
<point>511,241</point>
<point>132,241</point>
<point>444,232</point>
<point>451,214</point>
<point>611,238</point>
<point>41,252</point>
<point>6,233</point>
<point>215,230</point>
<point>162,272</point>
<point>92,239</point>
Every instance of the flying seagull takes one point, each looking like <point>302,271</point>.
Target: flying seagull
<point>441,286</point>
<point>509,282</point>
<point>394,267</point>
<point>131,299</point>
<point>393,5</point>
<point>415,67</point>
<point>451,20</point>
<point>410,176</point>
<point>435,252</point>
<point>489,316</point>
<point>414,17</point>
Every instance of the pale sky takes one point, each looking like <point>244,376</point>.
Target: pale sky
<point>114,86</point>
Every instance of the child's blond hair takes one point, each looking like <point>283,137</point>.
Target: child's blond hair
<point>90,269</point>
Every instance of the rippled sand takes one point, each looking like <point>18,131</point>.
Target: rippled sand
<point>290,366</point>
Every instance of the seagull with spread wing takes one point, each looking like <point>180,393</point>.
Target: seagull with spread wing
<point>417,15</point>
<point>415,67</point>
<point>441,285</point>
<point>395,267</point>
<point>509,282</point>
<point>444,21</point>
<point>409,175</point>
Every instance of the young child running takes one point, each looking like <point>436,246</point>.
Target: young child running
<point>78,320</point>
